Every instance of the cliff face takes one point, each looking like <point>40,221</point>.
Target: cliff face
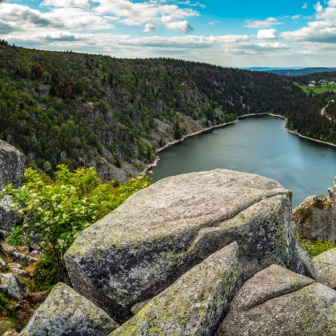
<point>315,217</point>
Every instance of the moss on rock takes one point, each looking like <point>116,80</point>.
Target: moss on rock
<point>66,313</point>
<point>194,304</point>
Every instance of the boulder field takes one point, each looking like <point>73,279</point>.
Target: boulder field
<point>210,253</point>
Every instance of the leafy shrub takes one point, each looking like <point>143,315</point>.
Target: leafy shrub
<point>319,201</point>
<point>46,274</point>
<point>318,246</point>
<point>56,211</point>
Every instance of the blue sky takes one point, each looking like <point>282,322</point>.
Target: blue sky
<point>225,32</point>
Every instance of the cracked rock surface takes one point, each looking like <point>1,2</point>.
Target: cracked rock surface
<point>279,302</point>
<point>194,304</point>
<point>163,231</point>
<point>325,265</point>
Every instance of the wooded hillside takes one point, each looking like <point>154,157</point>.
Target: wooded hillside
<point>94,110</point>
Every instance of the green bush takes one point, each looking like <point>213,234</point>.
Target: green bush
<point>47,274</point>
<point>318,246</point>
<point>56,211</point>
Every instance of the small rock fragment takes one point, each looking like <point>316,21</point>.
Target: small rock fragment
<point>12,287</point>
<point>24,258</point>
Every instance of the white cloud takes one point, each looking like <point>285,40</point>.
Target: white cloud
<point>142,12</point>
<point>66,3</point>
<point>318,7</point>
<point>262,23</point>
<point>295,17</point>
<point>149,28</point>
<point>17,18</point>
<point>214,22</point>
<point>267,34</point>
<point>305,5</point>
<point>182,26</point>
<point>322,30</point>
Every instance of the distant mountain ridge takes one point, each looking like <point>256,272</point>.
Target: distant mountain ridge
<point>294,72</point>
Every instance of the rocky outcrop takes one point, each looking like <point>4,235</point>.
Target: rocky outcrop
<point>279,302</point>
<point>163,231</point>
<point>325,265</point>
<point>12,165</point>
<point>194,304</point>
<point>315,217</point>
<point>66,313</point>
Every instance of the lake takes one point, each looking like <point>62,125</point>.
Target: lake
<point>258,145</point>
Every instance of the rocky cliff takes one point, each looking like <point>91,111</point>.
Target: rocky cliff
<point>315,217</point>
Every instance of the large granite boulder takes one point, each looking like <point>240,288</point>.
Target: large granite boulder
<point>161,232</point>
<point>12,165</point>
<point>66,313</point>
<point>279,302</point>
<point>194,304</point>
<point>325,265</point>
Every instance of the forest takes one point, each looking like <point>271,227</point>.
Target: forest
<point>85,110</point>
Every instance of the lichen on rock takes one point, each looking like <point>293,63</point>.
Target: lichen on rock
<point>194,304</point>
<point>66,313</point>
<point>12,165</point>
<point>325,265</point>
<point>161,232</point>
<point>279,302</point>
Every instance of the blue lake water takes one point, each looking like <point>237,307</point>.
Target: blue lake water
<point>258,145</point>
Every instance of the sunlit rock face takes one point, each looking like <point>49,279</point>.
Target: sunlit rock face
<point>163,231</point>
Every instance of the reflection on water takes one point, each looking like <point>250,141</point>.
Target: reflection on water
<point>258,145</point>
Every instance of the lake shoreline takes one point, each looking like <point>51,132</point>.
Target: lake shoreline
<point>157,159</point>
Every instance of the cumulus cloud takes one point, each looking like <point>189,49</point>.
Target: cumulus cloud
<point>266,34</point>
<point>322,30</point>
<point>149,28</point>
<point>269,22</point>
<point>318,7</point>
<point>66,3</point>
<point>22,18</point>
<point>182,26</point>
<point>305,5</point>
<point>141,12</point>
<point>295,17</point>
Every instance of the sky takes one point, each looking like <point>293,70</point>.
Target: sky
<point>242,33</point>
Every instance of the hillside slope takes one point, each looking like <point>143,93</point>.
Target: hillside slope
<point>95,110</point>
